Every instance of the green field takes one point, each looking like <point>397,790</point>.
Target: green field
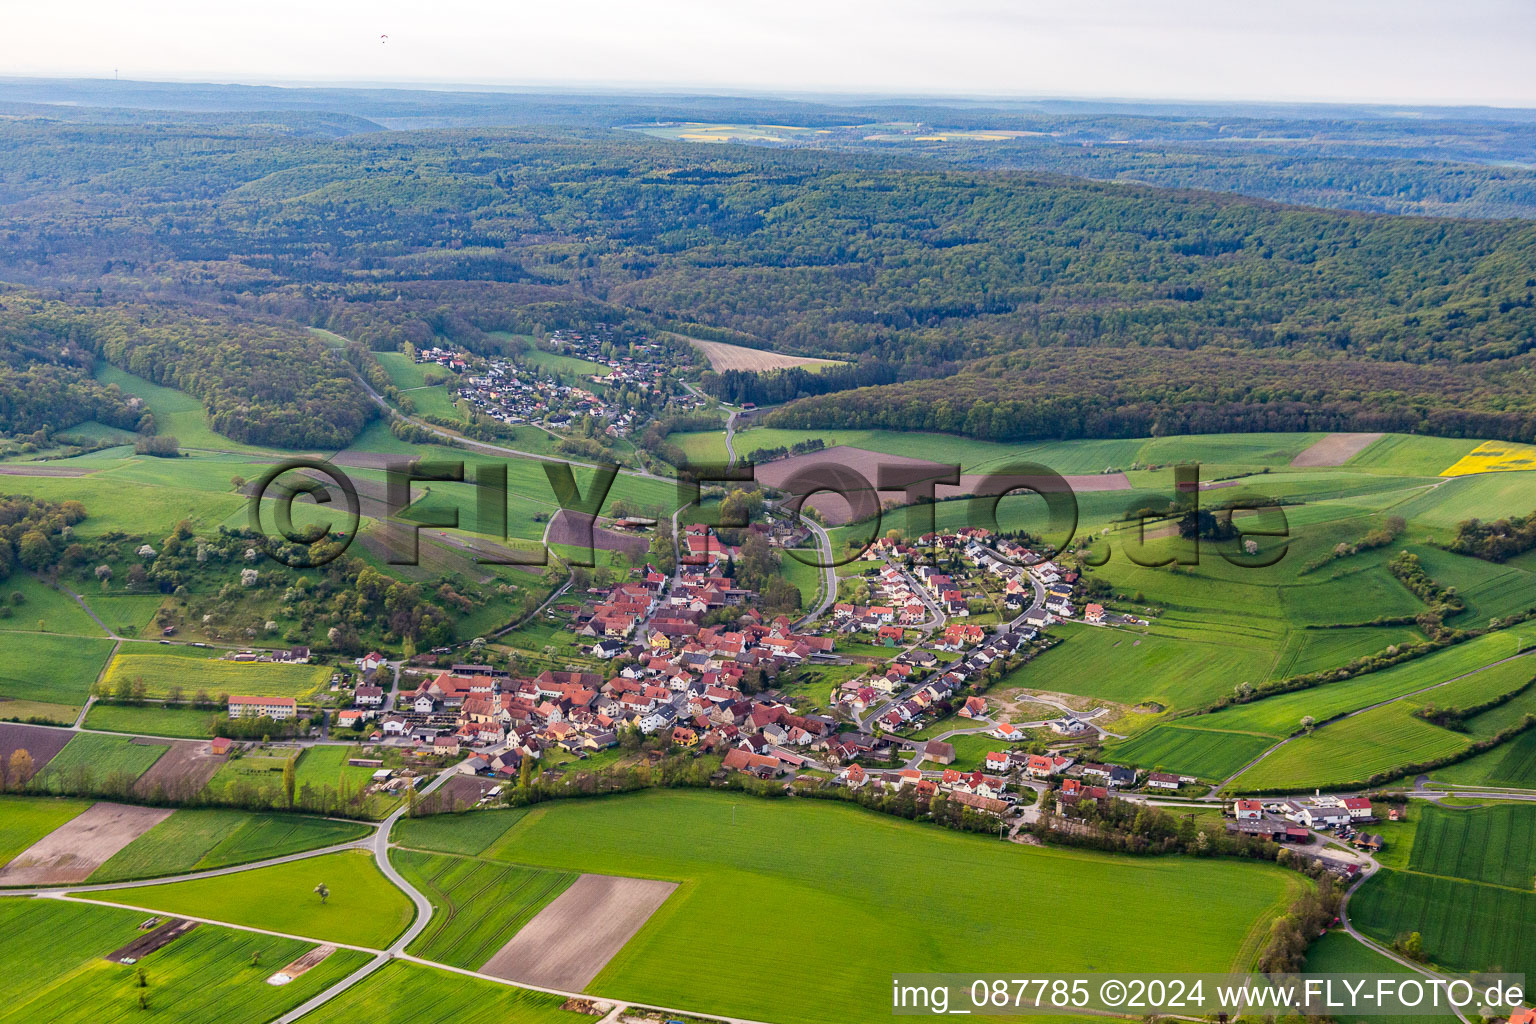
<point>1281,715</point>
<point>1131,668</point>
<point>201,839</point>
<point>1465,926</point>
<point>364,908</point>
<point>1338,952</point>
<point>100,758</point>
<point>857,870</point>
<point>405,993</point>
<point>152,720</point>
<point>1352,750</point>
<point>478,904</point>
<point>25,820</point>
<point>467,834</point>
<point>1510,764</point>
<point>57,973</point>
<point>327,766</point>
<point>1379,740</point>
<point>193,669</point>
<point>1494,844</point>
<point>51,669</point>
<point>57,610</point>
<point>1204,753</point>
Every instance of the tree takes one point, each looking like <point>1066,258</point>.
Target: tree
<point>35,550</point>
<point>20,765</point>
<point>290,780</point>
<point>1307,722</point>
<point>323,892</point>
<point>141,978</point>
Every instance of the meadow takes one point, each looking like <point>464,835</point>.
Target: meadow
<point>859,869</point>
<point>1281,715</point>
<point>478,904</point>
<point>51,669</point>
<point>465,834</point>
<point>1509,764</point>
<point>198,839</point>
<point>1465,926</point>
<point>1338,952</point>
<point>406,993</point>
<point>152,720</point>
<point>207,976</point>
<point>1204,753</point>
<point>1351,751</point>
<point>1495,844</point>
<point>192,669</point>
<point>327,766</point>
<point>102,757</point>
<point>25,820</point>
<point>364,909</point>
<point>1132,668</point>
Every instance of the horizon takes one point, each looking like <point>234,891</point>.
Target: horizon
<point>1375,53</point>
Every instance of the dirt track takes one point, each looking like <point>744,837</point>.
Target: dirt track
<point>1335,449</point>
<point>571,940</point>
<point>81,845</point>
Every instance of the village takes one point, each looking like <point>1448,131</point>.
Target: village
<point>532,390</point>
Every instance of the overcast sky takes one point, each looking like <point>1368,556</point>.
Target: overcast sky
<point>1395,51</point>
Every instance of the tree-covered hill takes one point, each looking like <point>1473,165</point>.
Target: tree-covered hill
<point>902,266</point>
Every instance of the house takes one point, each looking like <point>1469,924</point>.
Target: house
<point>1162,780</point>
<point>1359,808</point>
<point>938,752</point>
<point>996,762</point>
<point>220,746</point>
<point>1007,733</point>
<point>1248,810</point>
<point>1365,841</point>
<point>853,776</point>
<point>1042,766</point>
<point>1093,614</point>
<point>985,804</point>
<point>368,696</point>
<point>348,718</point>
<point>276,708</point>
<point>748,763</point>
<point>607,649</point>
<point>1069,726</point>
<point>975,707</point>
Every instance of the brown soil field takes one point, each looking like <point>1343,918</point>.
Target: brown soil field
<point>565,527</point>
<point>309,960</point>
<point>81,845</point>
<point>1335,449</point>
<point>158,938</point>
<point>462,790</point>
<point>723,357</point>
<point>838,510</point>
<point>41,743</point>
<point>182,771</point>
<point>571,940</point>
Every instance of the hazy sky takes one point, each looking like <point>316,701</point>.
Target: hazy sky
<point>1406,51</point>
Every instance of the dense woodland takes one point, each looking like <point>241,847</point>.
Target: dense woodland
<point>1047,306</point>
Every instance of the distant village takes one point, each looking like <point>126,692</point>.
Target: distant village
<point>517,392</point>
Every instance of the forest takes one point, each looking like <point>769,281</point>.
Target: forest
<point>994,303</point>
